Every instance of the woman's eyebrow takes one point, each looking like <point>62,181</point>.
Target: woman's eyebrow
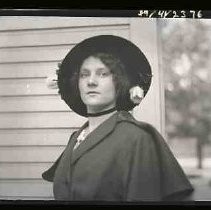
<point>84,69</point>
<point>98,69</point>
<point>102,69</point>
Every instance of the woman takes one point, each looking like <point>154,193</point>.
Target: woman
<point>112,157</point>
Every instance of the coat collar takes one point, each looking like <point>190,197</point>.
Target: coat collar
<point>98,134</point>
<point>95,136</point>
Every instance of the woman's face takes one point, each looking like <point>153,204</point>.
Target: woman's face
<point>96,85</point>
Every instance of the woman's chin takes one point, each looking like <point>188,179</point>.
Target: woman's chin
<point>94,104</point>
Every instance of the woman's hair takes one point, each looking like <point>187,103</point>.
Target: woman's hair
<point>68,83</point>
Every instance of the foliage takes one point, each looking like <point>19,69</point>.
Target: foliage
<point>186,53</point>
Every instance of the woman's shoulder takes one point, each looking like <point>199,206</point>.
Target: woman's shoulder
<point>139,131</point>
<point>127,123</point>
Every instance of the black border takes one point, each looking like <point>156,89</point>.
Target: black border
<point>80,8</point>
<point>105,4</point>
<point>94,8</point>
<point>206,14</point>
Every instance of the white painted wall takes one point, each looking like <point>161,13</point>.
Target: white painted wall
<point>34,123</point>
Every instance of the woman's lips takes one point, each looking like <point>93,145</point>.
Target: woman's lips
<point>92,93</point>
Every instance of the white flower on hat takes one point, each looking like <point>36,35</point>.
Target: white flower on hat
<point>136,94</point>
<point>51,82</point>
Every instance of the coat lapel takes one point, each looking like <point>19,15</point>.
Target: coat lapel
<point>94,137</point>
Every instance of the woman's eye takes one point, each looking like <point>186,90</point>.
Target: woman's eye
<point>99,74</point>
<point>83,74</point>
<point>104,74</point>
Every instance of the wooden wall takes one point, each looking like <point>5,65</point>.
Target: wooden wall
<point>34,123</point>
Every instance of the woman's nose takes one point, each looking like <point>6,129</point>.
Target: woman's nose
<point>92,80</point>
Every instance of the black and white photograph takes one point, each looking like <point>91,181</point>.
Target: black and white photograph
<point>112,109</point>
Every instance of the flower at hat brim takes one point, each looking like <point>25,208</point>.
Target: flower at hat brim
<point>136,94</point>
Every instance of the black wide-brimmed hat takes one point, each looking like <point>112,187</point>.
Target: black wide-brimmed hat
<point>136,65</point>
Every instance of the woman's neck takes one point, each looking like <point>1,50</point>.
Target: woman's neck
<point>95,121</point>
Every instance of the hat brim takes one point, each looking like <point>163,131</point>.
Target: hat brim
<point>136,64</point>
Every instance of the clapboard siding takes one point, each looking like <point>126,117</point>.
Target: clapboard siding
<point>33,54</point>
<point>51,37</point>
<point>30,23</point>
<point>35,124</point>
<point>29,86</point>
<point>34,170</point>
<point>30,153</point>
<point>25,198</point>
<point>32,104</point>
<point>41,120</point>
<point>20,187</point>
<point>27,69</point>
<point>35,137</point>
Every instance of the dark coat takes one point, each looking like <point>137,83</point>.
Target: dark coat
<point>122,160</point>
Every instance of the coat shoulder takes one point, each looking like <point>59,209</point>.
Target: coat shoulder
<point>128,124</point>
